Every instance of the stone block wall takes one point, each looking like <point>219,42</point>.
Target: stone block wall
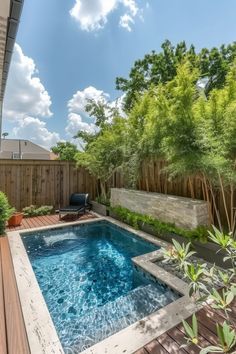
<point>183,212</point>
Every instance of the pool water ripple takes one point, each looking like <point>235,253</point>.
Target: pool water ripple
<point>89,283</point>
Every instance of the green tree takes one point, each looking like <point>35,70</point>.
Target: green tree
<point>104,155</point>
<point>66,151</point>
<point>161,67</point>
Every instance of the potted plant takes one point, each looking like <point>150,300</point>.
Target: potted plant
<point>15,219</point>
<point>5,212</point>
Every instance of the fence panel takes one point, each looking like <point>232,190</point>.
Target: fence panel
<point>38,182</point>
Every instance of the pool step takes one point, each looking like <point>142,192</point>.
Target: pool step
<point>106,320</point>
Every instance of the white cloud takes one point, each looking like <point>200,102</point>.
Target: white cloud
<point>125,22</point>
<point>79,119</point>
<point>35,130</point>
<point>75,124</point>
<point>92,15</point>
<point>25,94</point>
<point>27,102</point>
<point>131,6</point>
<point>79,100</point>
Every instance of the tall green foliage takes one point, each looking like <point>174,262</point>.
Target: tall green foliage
<point>156,68</point>
<point>104,154</point>
<point>5,212</point>
<point>65,150</point>
<point>217,138</point>
<point>176,121</point>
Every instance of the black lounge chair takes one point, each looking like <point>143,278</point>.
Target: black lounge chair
<point>78,203</point>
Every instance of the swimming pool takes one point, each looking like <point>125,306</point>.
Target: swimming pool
<point>89,283</point>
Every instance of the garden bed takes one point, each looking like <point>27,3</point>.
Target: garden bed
<point>207,250</point>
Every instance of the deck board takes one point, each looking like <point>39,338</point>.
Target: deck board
<point>171,341</point>
<point>17,341</point>
<point>47,220</point>
<point>3,340</point>
<point>155,348</point>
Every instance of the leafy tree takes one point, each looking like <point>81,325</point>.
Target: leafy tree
<point>161,67</point>
<point>65,150</point>
<point>104,155</point>
<point>104,113</point>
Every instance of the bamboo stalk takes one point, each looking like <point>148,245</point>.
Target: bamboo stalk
<point>191,188</point>
<point>211,219</point>
<point>232,206</point>
<point>215,207</point>
<point>224,201</point>
<point>234,225</point>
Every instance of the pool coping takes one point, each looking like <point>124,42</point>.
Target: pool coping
<point>42,334</point>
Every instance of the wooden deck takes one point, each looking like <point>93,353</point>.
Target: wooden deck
<point>47,220</point>
<point>13,338</point>
<point>171,341</point>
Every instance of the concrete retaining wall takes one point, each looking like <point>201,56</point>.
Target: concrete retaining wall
<point>183,212</point>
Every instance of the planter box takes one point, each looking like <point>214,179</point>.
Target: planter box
<point>15,219</point>
<point>183,212</point>
<point>207,251</point>
<point>100,208</point>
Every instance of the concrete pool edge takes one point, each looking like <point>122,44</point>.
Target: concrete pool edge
<point>40,329</point>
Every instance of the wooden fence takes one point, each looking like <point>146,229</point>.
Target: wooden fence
<point>38,182</point>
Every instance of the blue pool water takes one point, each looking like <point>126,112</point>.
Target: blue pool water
<point>89,283</point>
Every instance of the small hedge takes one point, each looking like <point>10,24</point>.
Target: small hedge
<point>160,227</point>
<point>33,210</point>
<point>6,212</point>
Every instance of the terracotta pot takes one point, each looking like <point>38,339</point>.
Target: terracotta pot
<point>15,219</point>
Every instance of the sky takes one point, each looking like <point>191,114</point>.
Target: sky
<point>70,50</point>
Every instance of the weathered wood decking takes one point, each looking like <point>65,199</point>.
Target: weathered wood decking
<point>171,341</point>
<point>47,220</point>
<point>13,338</point>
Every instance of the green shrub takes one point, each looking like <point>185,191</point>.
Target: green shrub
<point>103,200</point>
<point>33,210</point>
<point>160,227</point>
<point>6,212</point>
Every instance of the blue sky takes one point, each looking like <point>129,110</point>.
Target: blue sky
<point>68,55</point>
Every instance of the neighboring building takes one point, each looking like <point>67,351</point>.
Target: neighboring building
<point>24,150</point>
<point>10,11</point>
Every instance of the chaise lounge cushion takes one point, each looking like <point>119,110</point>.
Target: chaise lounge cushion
<point>72,208</point>
<point>78,202</point>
